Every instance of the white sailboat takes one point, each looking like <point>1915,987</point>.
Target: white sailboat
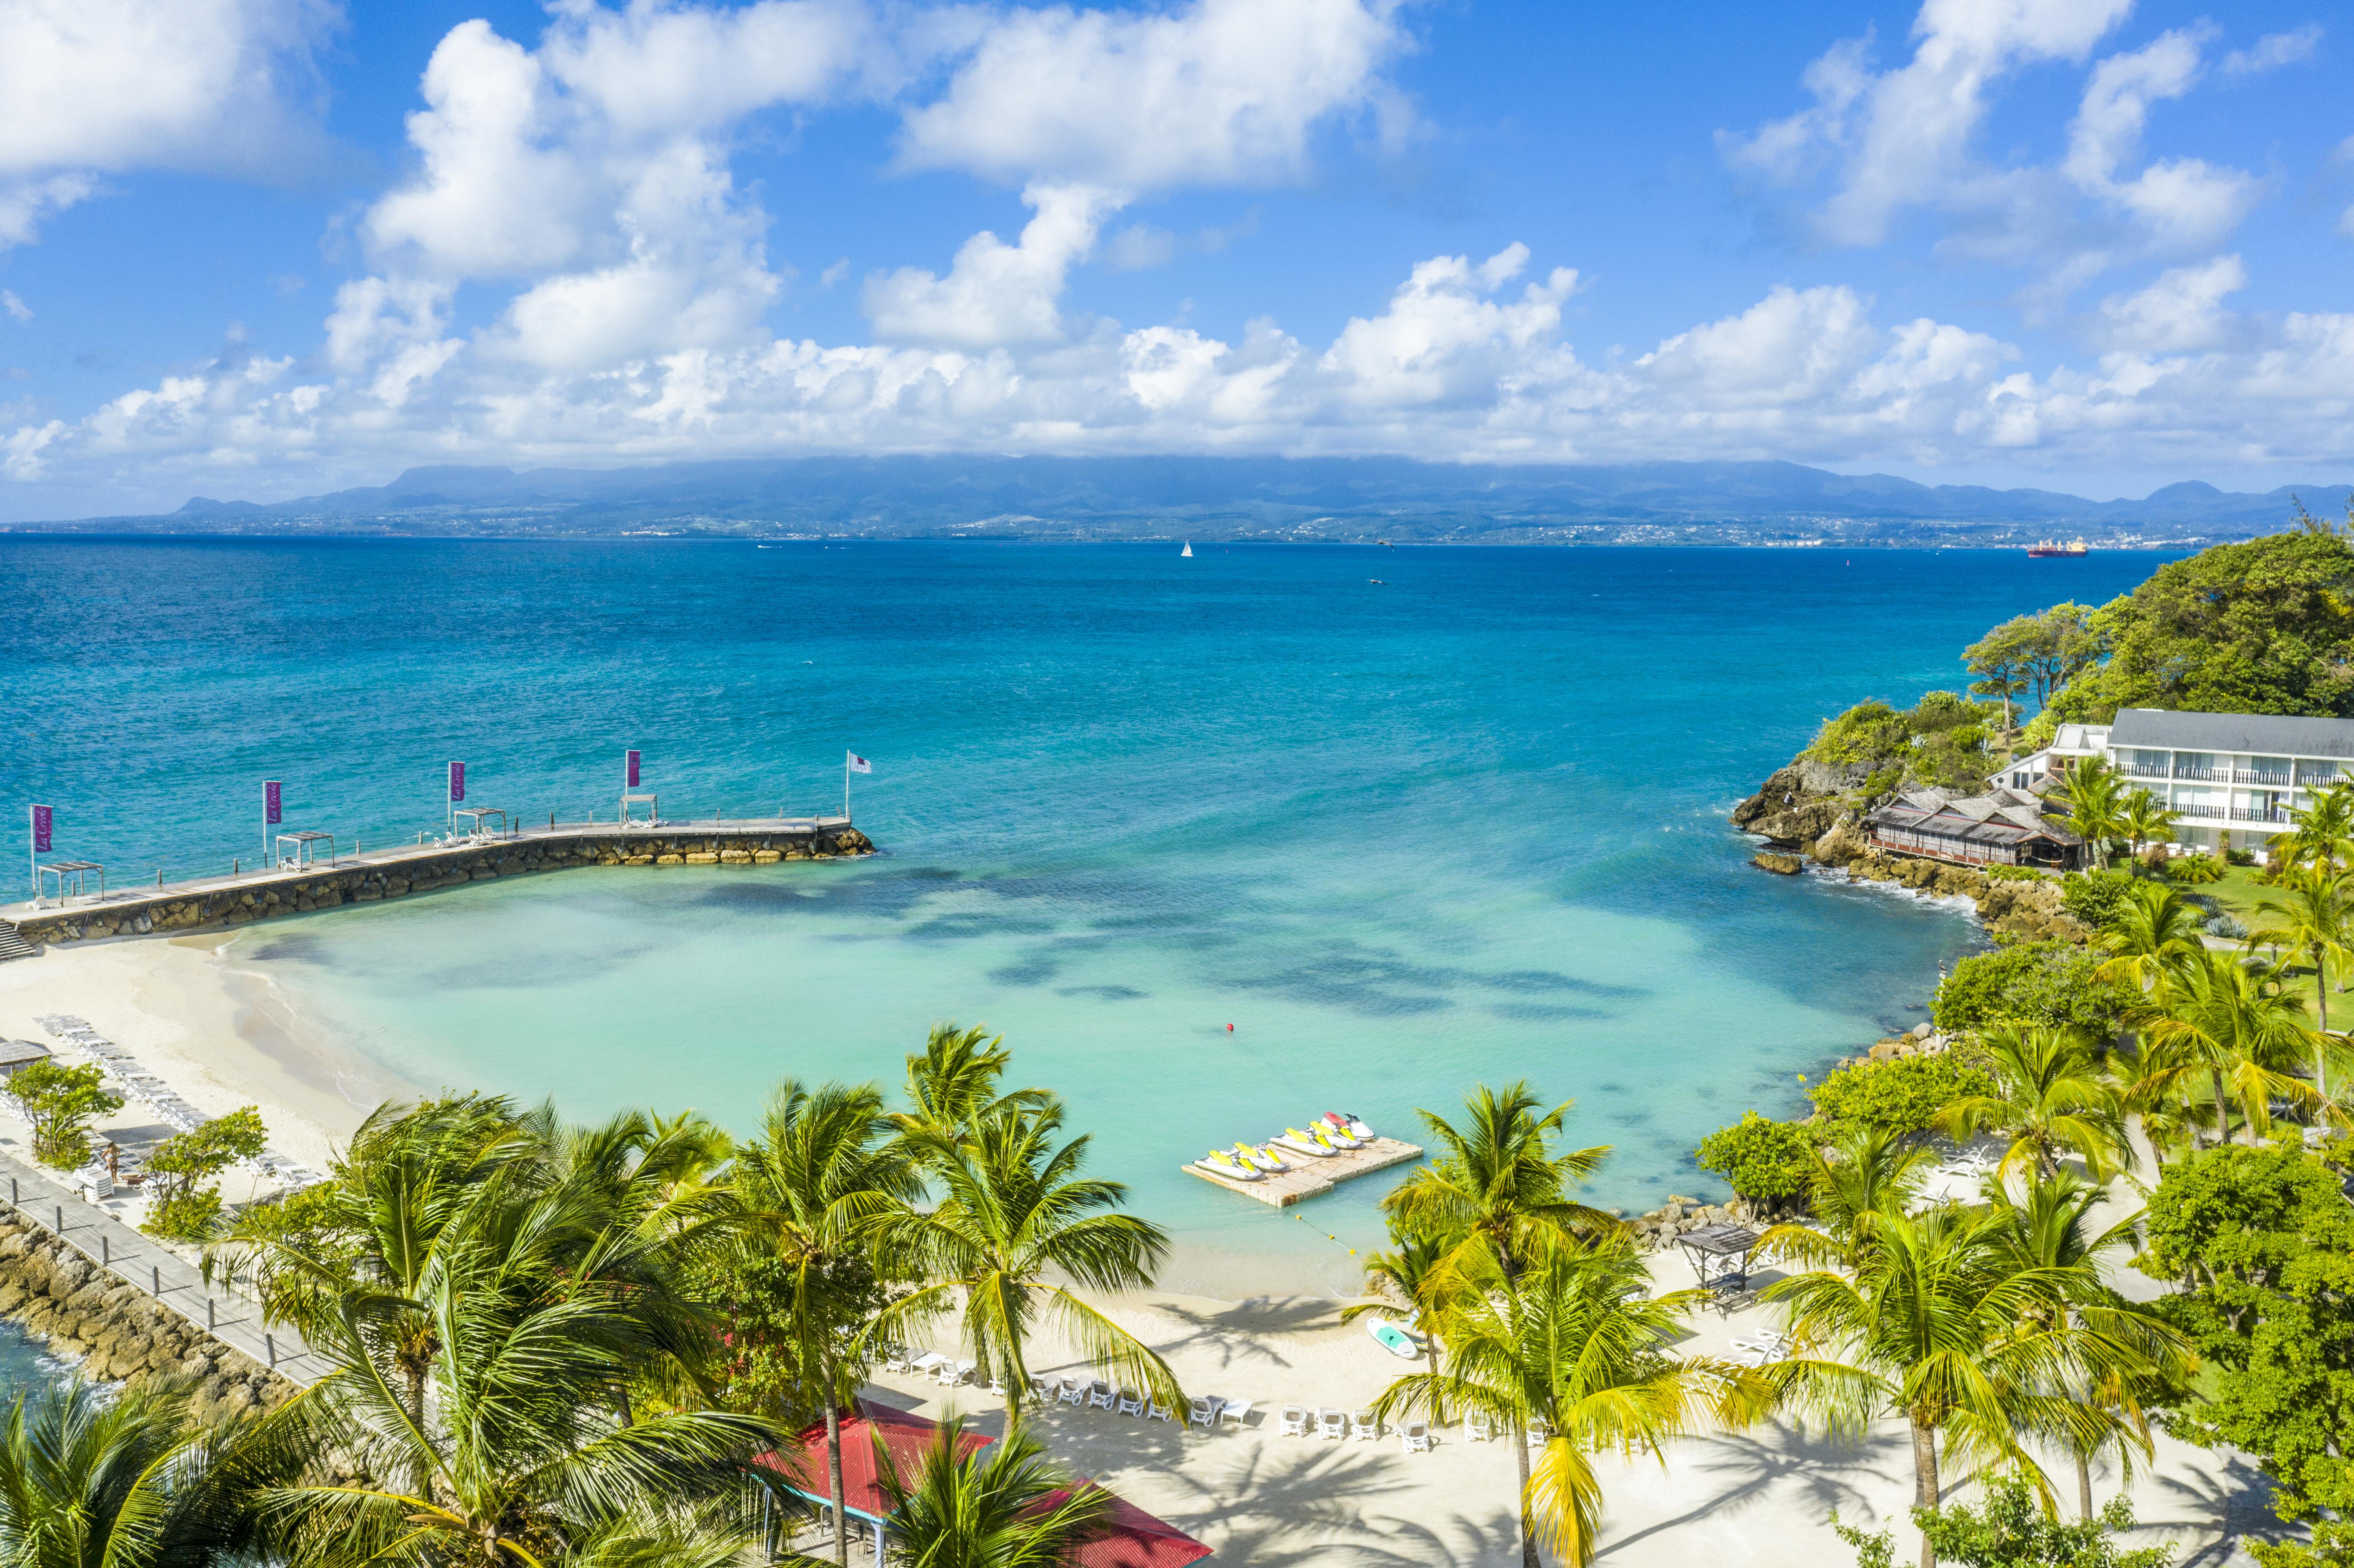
<point>1188,551</point>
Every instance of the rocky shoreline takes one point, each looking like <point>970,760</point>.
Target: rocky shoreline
<point>116,1331</point>
<point>1807,814</point>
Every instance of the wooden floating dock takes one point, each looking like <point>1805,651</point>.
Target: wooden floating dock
<point>1311,1177</point>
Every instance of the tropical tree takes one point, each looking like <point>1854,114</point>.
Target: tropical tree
<point>2146,820</point>
<point>1858,1178</point>
<point>93,1477</point>
<point>2311,917</point>
<point>2324,835</point>
<point>2233,1021</point>
<point>809,1191</point>
<point>1498,1188</point>
<point>1939,1323</point>
<point>1003,1505</point>
<point>366,1242</point>
<point>1015,1221</point>
<point>518,1460</point>
<point>2094,802</point>
<point>2155,931</point>
<point>952,1083</point>
<point>59,1103</point>
<point>1571,1356</point>
<point>2050,1095</point>
<point>2127,1357</point>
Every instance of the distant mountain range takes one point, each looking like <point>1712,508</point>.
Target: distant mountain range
<point>1231,498</point>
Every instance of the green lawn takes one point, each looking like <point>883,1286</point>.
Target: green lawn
<point>2239,892</point>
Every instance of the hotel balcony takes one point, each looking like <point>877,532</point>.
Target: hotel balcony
<point>2144,771</point>
<point>2205,775</point>
<point>2241,814</point>
<point>2219,812</point>
<point>2244,776</point>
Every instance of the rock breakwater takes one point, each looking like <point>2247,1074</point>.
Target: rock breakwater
<point>406,872</point>
<point>116,1331</point>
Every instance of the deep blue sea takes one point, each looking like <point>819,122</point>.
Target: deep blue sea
<point>1405,819</point>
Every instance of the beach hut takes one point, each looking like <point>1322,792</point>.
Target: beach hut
<point>1132,1538</point>
<point>19,1054</point>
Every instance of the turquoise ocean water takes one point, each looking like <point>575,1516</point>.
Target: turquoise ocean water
<point>1464,822</point>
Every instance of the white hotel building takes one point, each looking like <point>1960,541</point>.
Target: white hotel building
<point>2231,780</point>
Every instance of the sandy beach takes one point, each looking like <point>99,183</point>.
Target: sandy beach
<point>223,1036</point>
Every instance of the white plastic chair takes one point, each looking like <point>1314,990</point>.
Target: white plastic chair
<point>1366,1427</point>
<point>1099,1395</point>
<point>1204,1412</point>
<point>1130,1403</point>
<point>1075,1391</point>
<point>1155,1411</point>
<point>1415,1437</point>
<point>1332,1425</point>
<point>1042,1386</point>
<point>1478,1427</point>
<point>1295,1420</point>
<point>1539,1434</point>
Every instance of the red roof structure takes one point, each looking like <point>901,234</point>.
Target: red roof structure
<point>1133,1538</point>
<point>904,1435</point>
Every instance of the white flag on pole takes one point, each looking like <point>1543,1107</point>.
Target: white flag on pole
<point>858,764</point>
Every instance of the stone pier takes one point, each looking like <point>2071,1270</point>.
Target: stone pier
<point>397,873</point>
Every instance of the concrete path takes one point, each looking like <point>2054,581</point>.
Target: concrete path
<point>235,1320</point>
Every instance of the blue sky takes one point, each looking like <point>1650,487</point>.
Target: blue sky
<point>264,248</point>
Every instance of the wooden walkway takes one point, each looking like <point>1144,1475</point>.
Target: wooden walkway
<point>47,1200</point>
<point>1311,1177</point>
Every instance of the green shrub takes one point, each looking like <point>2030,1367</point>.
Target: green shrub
<point>1766,1161</point>
<point>2194,870</point>
<point>2095,897</point>
<point>180,1207</point>
<point>2241,856</point>
<point>1899,1095</point>
<point>2013,874</point>
<point>2034,982</point>
<point>60,1102</point>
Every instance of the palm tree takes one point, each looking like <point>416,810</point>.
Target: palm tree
<point>2146,820</point>
<point>108,1478</point>
<point>1572,1352</point>
<point>1003,1506</point>
<point>1858,1178</point>
<point>370,1237</point>
<point>2049,1095</point>
<point>2313,920</point>
<point>1938,1324</point>
<point>1497,1185</point>
<point>2155,930</point>
<point>952,1083</point>
<point>2231,1020</point>
<point>517,1461</point>
<point>2095,806</point>
<point>1015,1215</point>
<point>2125,1355</point>
<point>2324,836</point>
<point>810,1190</point>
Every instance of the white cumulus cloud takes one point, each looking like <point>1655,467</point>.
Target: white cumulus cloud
<point>95,87</point>
<point>995,293</point>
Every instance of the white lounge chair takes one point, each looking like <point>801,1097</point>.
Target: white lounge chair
<point>1099,1395</point>
<point>1295,1420</point>
<point>1155,1411</point>
<point>895,1358</point>
<point>1204,1412</point>
<point>1332,1425</point>
<point>1415,1436</point>
<point>1042,1386</point>
<point>1478,1427</point>
<point>1539,1434</point>
<point>1130,1403</point>
<point>1075,1391</point>
<point>947,1374</point>
<point>1367,1428</point>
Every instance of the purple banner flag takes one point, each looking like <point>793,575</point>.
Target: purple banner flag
<point>41,818</point>
<point>632,758</point>
<point>457,781</point>
<point>270,803</point>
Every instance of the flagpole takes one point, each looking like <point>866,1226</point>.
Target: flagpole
<point>845,785</point>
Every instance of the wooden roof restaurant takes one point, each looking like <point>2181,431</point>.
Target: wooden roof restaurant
<point>1131,1538</point>
<point>2001,827</point>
